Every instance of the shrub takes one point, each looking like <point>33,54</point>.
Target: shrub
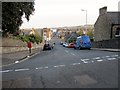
<point>30,38</point>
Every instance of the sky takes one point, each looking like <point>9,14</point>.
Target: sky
<point>63,13</point>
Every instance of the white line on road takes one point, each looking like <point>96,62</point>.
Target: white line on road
<point>75,64</point>
<point>85,62</point>
<point>84,59</point>
<point>46,67</point>
<point>5,71</point>
<point>96,58</point>
<point>56,66</point>
<point>111,58</point>
<point>66,51</point>
<point>39,68</point>
<point>59,66</point>
<point>22,69</point>
<point>73,54</point>
<point>62,65</point>
<point>100,60</point>
<point>114,55</point>
<point>16,61</point>
<point>107,56</point>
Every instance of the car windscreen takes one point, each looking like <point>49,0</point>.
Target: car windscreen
<point>86,39</point>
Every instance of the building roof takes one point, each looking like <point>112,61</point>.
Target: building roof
<point>114,17</point>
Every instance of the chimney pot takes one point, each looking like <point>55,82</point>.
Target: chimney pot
<point>103,10</point>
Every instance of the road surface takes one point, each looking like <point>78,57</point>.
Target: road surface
<point>64,68</point>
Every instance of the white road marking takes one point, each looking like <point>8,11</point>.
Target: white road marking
<point>103,57</point>
<point>111,58</point>
<point>84,59</point>
<point>56,66</point>
<point>85,62</point>
<point>107,56</point>
<point>45,67</point>
<point>36,68</point>
<point>62,65</point>
<point>66,51</point>
<point>75,64</point>
<point>16,61</point>
<point>5,71</point>
<point>39,68</point>
<point>22,69</point>
<point>96,58</point>
<point>73,54</point>
<point>114,55</point>
<point>100,60</point>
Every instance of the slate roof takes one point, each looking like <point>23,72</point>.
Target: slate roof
<point>114,17</point>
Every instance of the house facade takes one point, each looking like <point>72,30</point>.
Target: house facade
<point>47,34</point>
<point>107,25</point>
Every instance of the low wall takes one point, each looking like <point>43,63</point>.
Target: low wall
<point>9,49</point>
<point>113,44</point>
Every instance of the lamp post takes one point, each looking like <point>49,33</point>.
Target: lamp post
<point>86,17</point>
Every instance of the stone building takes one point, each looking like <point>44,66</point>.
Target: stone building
<point>107,25</point>
<point>47,34</point>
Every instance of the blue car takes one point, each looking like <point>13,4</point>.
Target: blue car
<point>82,42</point>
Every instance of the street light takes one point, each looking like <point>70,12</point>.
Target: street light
<point>86,17</point>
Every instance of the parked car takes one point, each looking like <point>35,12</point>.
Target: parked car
<point>61,43</point>
<point>83,42</point>
<point>71,45</point>
<point>65,44</point>
<point>47,47</point>
<point>52,44</point>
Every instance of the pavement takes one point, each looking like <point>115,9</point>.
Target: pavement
<point>107,49</point>
<point>16,57</point>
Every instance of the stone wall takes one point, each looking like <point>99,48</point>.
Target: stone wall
<point>113,44</point>
<point>8,45</point>
<point>102,28</point>
<point>9,49</point>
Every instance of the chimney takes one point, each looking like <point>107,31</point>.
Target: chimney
<point>103,10</point>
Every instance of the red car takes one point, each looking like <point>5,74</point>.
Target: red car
<point>71,45</point>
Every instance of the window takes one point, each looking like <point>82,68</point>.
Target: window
<point>117,34</point>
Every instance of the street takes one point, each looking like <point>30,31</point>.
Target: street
<point>64,68</point>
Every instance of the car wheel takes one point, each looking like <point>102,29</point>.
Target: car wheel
<point>89,48</point>
<point>79,48</point>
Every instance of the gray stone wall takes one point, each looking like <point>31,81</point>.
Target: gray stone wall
<point>9,49</point>
<point>102,28</point>
<point>112,43</point>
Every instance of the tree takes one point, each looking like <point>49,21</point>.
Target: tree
<point>80,33</point>
<point>12,13</point>
<point>90,33</point>
<point>30,38</point>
